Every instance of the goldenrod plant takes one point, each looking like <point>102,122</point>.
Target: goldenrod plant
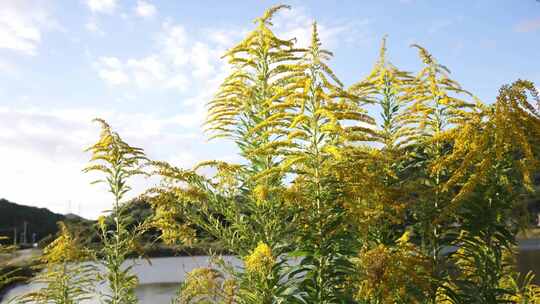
<point>118,162</point>
<point>67,273</point>
<point>368,208</point>
<point>244,205</point>
<point>416,201</point>
<point>494,155</point>
<point>386,87</point>
<point>380,210</point>
<point>436,107</point>
<point>322,118</point>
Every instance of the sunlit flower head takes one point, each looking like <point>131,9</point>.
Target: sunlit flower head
<point>260,260</point>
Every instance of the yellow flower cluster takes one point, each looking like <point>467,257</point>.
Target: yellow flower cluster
<point>261,193</point>
<point>101,222</point>
<point>200,282</point>
<point>390,273</point>
<point>173,233</point>
<point>260,260</point>
<point>62,249</point>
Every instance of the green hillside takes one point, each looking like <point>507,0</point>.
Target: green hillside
<point>40,221</point>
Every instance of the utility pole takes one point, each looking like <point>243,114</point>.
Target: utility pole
<point>25,231</point>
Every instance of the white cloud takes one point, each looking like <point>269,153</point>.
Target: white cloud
<point>145,9</point>
<point>203,58</point>
<point>147,72</point>
<point>179,82</point>
<point>101,6</point>
<point>43,147</point>
<point>114,77</point>
<point>192,60</point>
<point>221,37</point>
<point>297,23</point>
<point>93,27</point>
<point>111,70</point>
<point>173,41</point>
<point>181,61</point>
<point>22,23</point>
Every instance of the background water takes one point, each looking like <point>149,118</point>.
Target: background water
<point>529,258</point>
<point>159,280</point>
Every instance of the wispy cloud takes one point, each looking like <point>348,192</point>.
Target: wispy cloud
<point>297,23</point>
<point>111,70</point>
<point>188,65</point>
<point>22,23</point>
<point>8,67</point>
<point>40,144</point>
<point>145,9</point>
<point>526,26</point>
<point>181,61</point>
<point>101,6</point>
<point>93,27</point>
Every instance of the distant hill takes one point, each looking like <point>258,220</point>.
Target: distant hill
<point>74,217</point>
<point>40,221</point>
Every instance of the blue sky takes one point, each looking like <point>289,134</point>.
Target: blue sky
<point>148,67</point>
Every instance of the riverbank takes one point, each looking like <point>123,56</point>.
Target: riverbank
<point>22,264</point>
<point>21,267</point>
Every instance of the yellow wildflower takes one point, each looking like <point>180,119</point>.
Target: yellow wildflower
<point>261,193</point>
<point>101,221</point>
<point>404,238</point>
<point>334,151</point>
<point>260,260</point>
<point>200,282</point>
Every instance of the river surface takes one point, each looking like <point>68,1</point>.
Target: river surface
<point>529,258</point>
<point>158,281</point>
